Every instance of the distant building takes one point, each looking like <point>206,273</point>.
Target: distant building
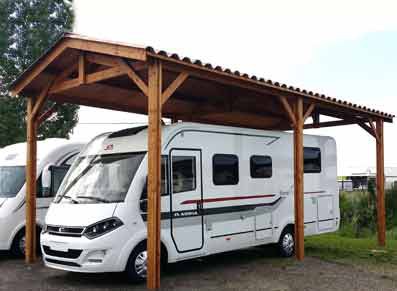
<point>358,180</point>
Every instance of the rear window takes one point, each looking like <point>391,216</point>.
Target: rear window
<point>261,167</point>
<point>312,160</point>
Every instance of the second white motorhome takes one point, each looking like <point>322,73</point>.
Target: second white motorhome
<point>52,155</point>
<point>223,189</point>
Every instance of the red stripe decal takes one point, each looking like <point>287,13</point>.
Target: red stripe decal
<point>317,192</point>
<point>221,199</point>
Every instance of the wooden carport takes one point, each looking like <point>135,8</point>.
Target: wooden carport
<point>122,77</point>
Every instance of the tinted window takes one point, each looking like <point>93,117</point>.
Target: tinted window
<point>57,176</point>
<point>225,169</point>
<point>312,160</point>
<point>261,166</point>
<point>11,181</point>
<point>183,174</point>
<point>164,175</point>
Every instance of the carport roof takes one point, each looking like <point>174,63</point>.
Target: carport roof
<point>115,77</point>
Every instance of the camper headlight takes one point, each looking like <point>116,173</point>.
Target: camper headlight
<point>102,227</point>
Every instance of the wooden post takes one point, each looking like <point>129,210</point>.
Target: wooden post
<point>154,174</point>
<point>298,180</point>
<point>30,248</point>
<point>380,184</point>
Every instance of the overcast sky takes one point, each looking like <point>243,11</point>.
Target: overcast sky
<point>344,49</point>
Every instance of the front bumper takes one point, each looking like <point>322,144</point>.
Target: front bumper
<point>80,254</point>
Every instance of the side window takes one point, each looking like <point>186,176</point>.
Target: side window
<point>164,179</point>
<point>69,161</point>
<point>261,167</point>
<point>312,160</point>
<point>183,174</point>
<point>58,174</point>
<point>225,169</point>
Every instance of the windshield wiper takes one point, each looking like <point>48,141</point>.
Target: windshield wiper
<point>95,198</point>
<point>71,199</point>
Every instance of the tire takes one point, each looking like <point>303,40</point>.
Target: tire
<point>136,269</point>
<point>18,244</point>
<point>286,243</point>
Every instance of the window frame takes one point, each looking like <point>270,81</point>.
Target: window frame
<point>251,166</point>
<point>312,171</point>
<point>213,169</point>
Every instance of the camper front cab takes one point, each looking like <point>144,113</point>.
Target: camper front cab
<point>52,155</point>
<point>223,188</point>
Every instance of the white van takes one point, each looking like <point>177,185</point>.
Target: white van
<point>223,188</point>
<point>58,153</point>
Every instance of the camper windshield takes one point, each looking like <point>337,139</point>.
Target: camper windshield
<point>99,179</point>
<point>11,180</point>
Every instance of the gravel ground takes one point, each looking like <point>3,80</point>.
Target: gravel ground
<point>251,269</point>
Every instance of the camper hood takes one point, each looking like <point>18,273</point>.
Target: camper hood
<point>73,215</point>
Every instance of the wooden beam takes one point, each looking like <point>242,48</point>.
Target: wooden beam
<point>329,124</point>
<point>39,67</point>
<point>154,175</point>
<point>65,73</point>
<point>288,110</point>
<point>31,160</point>
<point>174,86</point>
<point>102,60</point>
<point>368,129</point>
<point>44,116</point>
<point>134,76</point>
<point>40,100</point>
<point>105,74</point>
<point>113,49</point>
<point>298,181</point>
<point>373,127</point>
<point>65,85</point>
<point>380,184</point>
<point>82,74</point>
<point>309,111</point>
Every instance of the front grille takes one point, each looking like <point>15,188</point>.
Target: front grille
<point>71,264</point>
<point>65,230</point>
<point>70,254</point>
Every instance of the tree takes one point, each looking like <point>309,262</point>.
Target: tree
<point>27,29</point>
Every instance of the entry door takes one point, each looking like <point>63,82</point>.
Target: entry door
<point>187,229</point>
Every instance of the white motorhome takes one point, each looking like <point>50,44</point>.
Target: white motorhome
<point>52,155</point>
<point>223,188</point>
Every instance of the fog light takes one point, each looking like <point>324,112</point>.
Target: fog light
<point>96,257</point>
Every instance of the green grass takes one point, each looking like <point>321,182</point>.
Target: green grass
<point>336,247</point>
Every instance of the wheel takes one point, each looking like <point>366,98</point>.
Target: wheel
<point>18,245</point>
<point>286,244</point>
<point>136,269</point>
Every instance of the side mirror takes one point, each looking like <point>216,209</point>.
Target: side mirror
<point>46,177</point>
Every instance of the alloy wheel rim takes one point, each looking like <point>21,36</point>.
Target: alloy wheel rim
<point>288,243</point>
<point>22,245</point>
<point>141,264</point>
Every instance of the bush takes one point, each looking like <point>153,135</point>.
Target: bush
<point>358,212</point>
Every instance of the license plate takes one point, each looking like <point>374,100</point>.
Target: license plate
<point>60,247</point>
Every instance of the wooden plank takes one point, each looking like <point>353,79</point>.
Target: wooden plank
<point>372,125</point>
<point>154,175</point>
<point>44,116</point>
<point>368,129</point>
<point>309,111</point>
<point>174,86</point>
<point>82,74</point>
<point>108,48</point>
<point>102,60</point>
<point>255,85</point>
<point>380,184</point>
<point>31,160</point>
<point>65,85</point>
<point>329,124</point>
<point>29,75</point>
<point>288,109</point>
<point>298,181</point>
<point>134,76</point>
<point>105,74</point>
<point>40,100</point>
<point>65,74</point>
